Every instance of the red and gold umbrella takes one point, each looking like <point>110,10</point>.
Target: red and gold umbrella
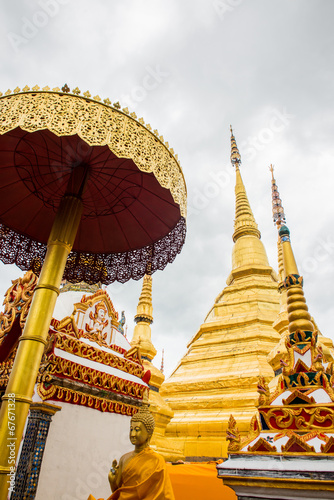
<point>87,193</point>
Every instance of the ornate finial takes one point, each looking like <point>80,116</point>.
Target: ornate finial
<point>117,105</point>
<point>76,91</point>
<point>235,155</point>
<point>244,222</point>
<point>65,88</point>
<point>278,211</point>
<point>87,94</point>
<point>162,361</point>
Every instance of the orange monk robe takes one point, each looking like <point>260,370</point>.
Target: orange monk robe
<point>144,477</point>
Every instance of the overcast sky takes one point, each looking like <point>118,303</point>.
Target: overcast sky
<point>190,68</point>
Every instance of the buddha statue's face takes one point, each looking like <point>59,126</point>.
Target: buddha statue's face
<point>138,434</point>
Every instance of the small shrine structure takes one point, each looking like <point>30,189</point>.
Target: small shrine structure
<point>90,382</point>
<point>289,451</point>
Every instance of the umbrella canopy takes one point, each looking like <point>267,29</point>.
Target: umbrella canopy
<point>135,198</point>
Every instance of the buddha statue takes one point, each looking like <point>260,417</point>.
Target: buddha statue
<point>141,473</point>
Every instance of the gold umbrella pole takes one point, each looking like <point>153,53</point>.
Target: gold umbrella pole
<point>20,388</point>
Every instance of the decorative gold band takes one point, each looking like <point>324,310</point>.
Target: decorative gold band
<point>33,337</point>
<point>18,398</point>
<point>48,287</point>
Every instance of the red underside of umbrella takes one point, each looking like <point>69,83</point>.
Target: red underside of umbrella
<point>127,213</point>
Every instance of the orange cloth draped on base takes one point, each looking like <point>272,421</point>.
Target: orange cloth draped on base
<point>144,477</point>
<point>195,481</point>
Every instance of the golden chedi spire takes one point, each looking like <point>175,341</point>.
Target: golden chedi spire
<point>244,219</point>
<point>248,250</point>
<point>144,319</point>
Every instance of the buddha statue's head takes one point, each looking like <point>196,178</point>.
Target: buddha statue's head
<point>142,427</point>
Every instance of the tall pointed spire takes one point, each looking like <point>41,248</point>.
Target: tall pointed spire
<point>279,354</point>
<point>278,218</point>
<point>244,222</point>
<point>144,319</point>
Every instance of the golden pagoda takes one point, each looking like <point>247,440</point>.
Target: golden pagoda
<point>219,373</point>
<point>141,340</point>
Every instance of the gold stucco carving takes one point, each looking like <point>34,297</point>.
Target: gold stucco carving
<point>17,300</point>
<point>77,347</point>
<point>62,367</point>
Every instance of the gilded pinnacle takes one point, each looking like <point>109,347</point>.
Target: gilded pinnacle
<point>145,308</point>
<point>244,222</point>
<point>144,317</point>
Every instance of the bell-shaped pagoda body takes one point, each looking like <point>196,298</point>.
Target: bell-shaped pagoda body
<point>219,373</point>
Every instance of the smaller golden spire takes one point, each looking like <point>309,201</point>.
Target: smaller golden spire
<point>144,318</point>
<point>145,308</point>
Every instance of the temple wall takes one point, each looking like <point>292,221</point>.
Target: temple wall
<point>80,447</point>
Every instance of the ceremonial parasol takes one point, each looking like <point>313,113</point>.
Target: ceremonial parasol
<point>87,193</point>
